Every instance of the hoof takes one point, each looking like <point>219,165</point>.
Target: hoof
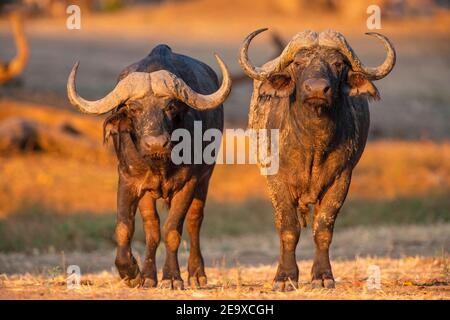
<point>203,281</point>
<point>278,286</point>
<point>316,284</point>
<point>291,286</point>
<point>281,286</point>
<point>197,282</point>
<point>133,283</point>
<point>177,285</point>
<point>149,283</point>
<point>328,284</point>
<point>320,284</point>
<point>172,284</point>
<point>166,284</point>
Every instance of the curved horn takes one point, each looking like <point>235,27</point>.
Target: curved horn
<point>301,40</point>
<point>18,63</point>
<point>386,67</point>
<point>135,85</point>
<point>164,83</point>
<point>305,39</point>
<point>373,73</point>
<point>252,71</point>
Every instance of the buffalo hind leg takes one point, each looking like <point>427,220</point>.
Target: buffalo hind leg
<point>150,218</point>
<point>288,228</point>
<point>325,214</point>
<point>173,228</point>
<point>196,267</point>
<point>126,210</point>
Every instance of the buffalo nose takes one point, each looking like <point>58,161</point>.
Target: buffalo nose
<point>152,142</point>
<point>316,87</point>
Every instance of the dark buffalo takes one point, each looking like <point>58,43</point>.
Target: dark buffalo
<point>13,68</point>
<point>316,93</point>
<point>153,97</point>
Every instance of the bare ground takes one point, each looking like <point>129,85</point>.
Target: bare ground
<point>413,261</point>
<point>407,278</point>
<point>254,249</point>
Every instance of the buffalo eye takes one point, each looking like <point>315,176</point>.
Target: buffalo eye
<point>300,64</point>
<point>337,65</point>
<point>336,68</point>
<point>134,110</point>
<point>171,108</point>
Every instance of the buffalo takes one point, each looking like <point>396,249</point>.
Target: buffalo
<point>316,94</point>
<point>163,92</point>
<point>11,69</point>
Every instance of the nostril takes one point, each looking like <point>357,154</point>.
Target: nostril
<point>325,90</point>
<point>166,142</point>
<point>151,142</point>
<point>307,87</point>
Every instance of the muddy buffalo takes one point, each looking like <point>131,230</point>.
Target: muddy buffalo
<point>316,93</point>
<point>153,97</point>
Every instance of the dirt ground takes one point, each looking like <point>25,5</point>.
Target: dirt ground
<point>386,241</point>
<point>407,278</point>
<point>413,261</point>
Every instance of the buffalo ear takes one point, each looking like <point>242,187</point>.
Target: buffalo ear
<point>359,84</point>
<point>277,85</point>
<point>115,123</point>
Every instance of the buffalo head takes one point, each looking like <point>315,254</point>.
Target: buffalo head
<point>317,68</point>
<point>149,105</point>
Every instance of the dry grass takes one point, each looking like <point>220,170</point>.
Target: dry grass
<point>88,125</point>
<point>249,248</point>
<point>406,278</point>
<point>393,169</point>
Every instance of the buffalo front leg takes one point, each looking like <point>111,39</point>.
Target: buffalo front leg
<point>150,218</point>
<point>288,228</point>
<point>325,213</point>
<point>196,267</point>
<point>173,228</point>
<point>126,209</point>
